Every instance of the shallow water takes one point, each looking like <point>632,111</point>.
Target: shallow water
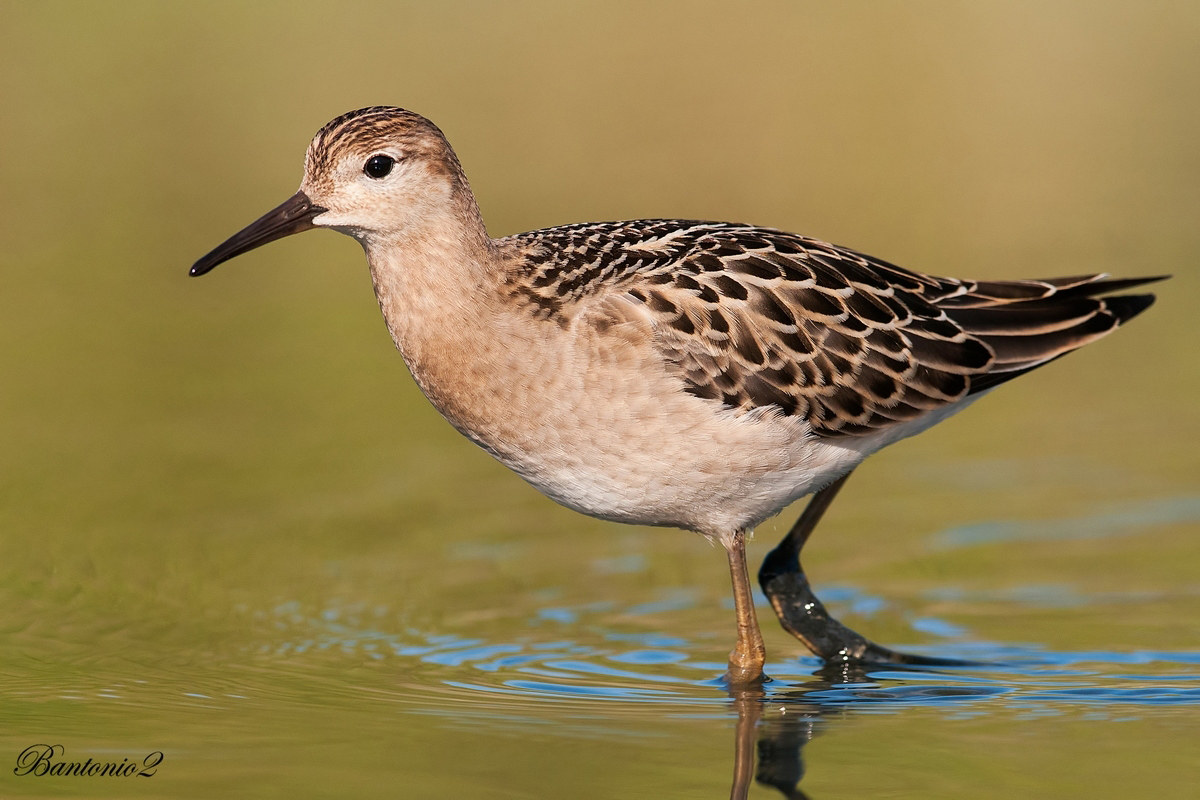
<point>240,552</point>
<point>603,699</point>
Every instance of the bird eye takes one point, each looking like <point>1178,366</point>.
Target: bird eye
<point>378,167</point>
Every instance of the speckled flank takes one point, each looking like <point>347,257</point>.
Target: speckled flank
<point>755,317</point>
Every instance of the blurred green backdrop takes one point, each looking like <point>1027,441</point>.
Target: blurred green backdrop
<point>181,459</point>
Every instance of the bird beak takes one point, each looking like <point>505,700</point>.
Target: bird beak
<point>292,216</point>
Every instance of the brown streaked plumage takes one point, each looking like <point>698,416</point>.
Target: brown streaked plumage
<point>695,374</point>
<point>755,317</point>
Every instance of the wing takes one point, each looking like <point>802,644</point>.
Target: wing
<point>753,318</point>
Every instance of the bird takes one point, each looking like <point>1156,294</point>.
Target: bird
<point>684,373</point>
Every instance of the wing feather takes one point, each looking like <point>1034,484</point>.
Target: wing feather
<point>755,318</point>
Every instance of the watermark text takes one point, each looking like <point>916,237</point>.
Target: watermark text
<point>50,759</point>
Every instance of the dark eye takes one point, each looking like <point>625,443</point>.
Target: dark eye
<point>378,167</point>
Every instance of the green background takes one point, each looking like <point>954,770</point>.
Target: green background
<point>232,530</point>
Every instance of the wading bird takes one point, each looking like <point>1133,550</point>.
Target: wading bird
<point>701,375</point>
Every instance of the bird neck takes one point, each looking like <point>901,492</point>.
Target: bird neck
<point>434,277</point>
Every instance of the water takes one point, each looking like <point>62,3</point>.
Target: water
<point>582,700</point>
<point>238,550</point>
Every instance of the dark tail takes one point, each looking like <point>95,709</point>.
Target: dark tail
<point>1030,323</point>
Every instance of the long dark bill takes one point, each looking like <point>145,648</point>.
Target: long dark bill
<point>291,216</point>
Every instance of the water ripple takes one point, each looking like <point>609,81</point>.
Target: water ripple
<point>680,676</point>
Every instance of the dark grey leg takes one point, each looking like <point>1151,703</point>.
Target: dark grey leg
<point>804,616</point>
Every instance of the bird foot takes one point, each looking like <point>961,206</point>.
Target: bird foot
<point>804,616</point>
<point>745,671</point>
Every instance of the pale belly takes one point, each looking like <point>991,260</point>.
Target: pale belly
<point>597,422</point>
<point>642,451</point>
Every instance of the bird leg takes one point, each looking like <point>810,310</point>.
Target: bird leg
<point>748,656</point>
<point>804,616</point>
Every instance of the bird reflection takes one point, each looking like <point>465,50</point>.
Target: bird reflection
<point>779,739</point>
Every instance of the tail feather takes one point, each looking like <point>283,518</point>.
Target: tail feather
<point>1030,323</point>
<point>1007,294</point>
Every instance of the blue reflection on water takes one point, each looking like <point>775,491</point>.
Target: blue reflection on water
<point>629,667</point>
<point>1024,682</point>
